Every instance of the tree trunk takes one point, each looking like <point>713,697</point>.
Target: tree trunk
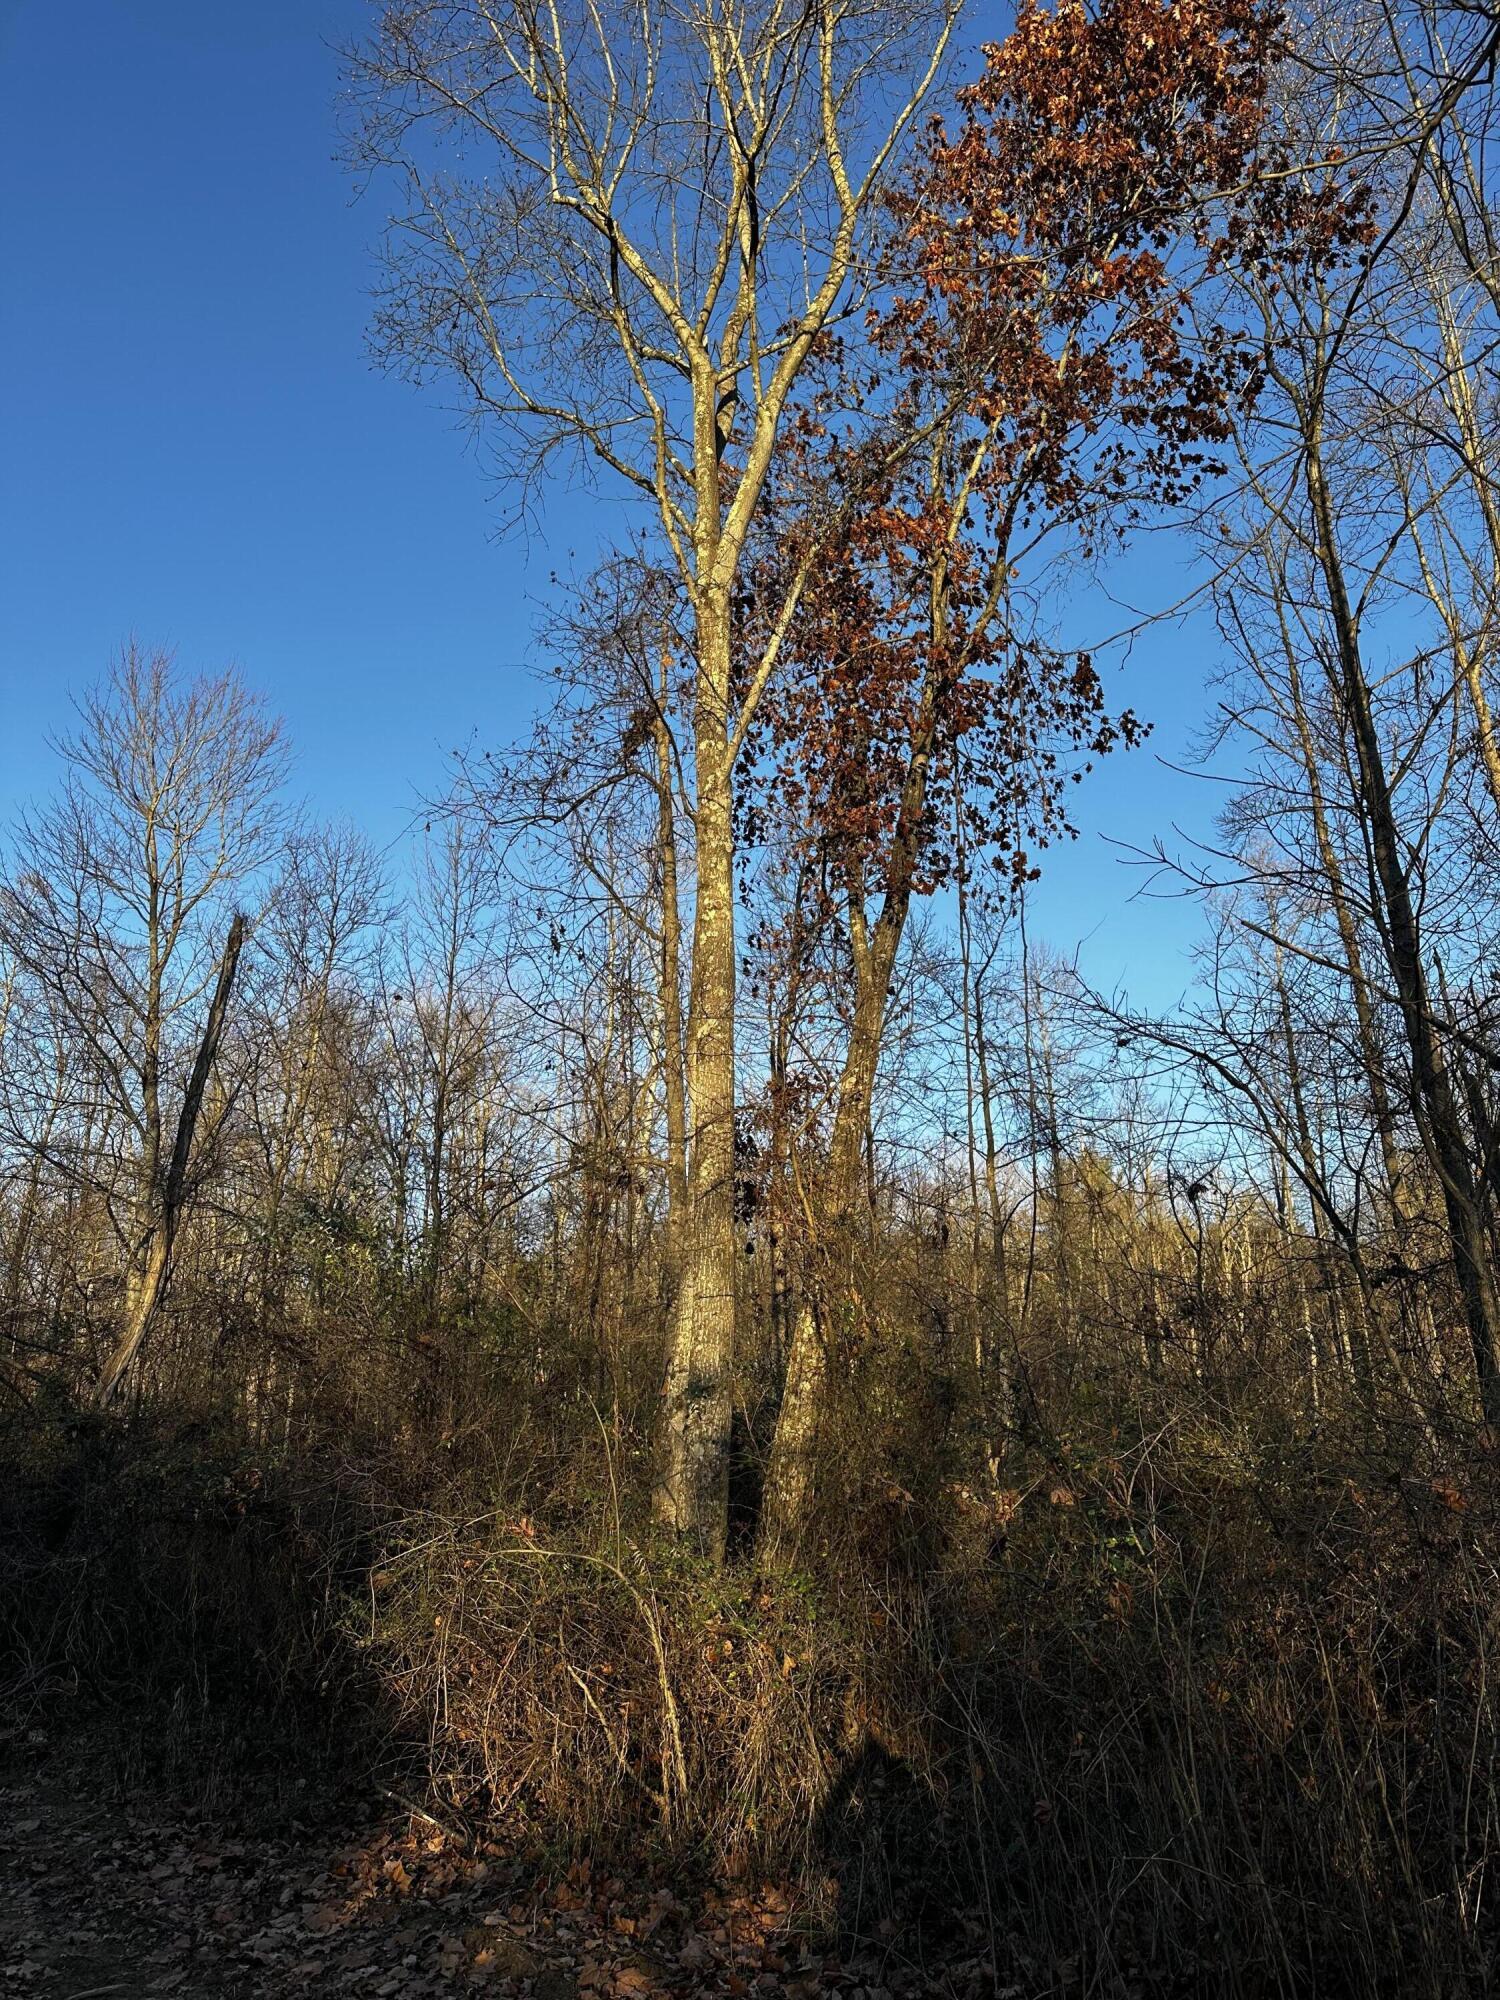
<point>151,1276</point>
<point>791,1474</point>
<point>789,1481</point>
<point>693,1494</point>
<point>669,995</point>
<point>1364,1012</point>
<point>1434,1102</point>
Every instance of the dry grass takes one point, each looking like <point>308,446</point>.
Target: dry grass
<point>1167,1713</point>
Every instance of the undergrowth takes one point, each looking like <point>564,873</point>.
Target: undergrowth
<point>1168,1710</point>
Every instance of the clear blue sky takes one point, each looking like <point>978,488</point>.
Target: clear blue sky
<point>194,447</point>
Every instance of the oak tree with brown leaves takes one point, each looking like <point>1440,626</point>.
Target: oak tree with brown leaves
<point>1051,392</point>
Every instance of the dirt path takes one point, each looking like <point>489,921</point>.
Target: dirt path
<point>112,1899</point>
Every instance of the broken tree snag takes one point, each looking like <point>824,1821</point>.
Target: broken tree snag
<point>169,1199</point>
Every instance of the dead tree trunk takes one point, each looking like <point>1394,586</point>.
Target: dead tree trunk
<point>170,1196</point>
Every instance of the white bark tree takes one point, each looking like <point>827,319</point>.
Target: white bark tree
<point>626,233</point>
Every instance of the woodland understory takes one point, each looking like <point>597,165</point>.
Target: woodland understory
<point>651,1393</point>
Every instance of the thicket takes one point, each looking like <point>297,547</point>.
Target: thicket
<point>1190,1690</point>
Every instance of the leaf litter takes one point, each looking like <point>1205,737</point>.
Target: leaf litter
<point>111,1898</point>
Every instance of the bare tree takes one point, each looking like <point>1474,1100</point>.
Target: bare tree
<point>591,293</point>
<point>120,914</point>
<point>318,940</point>
<point>1366,499</point>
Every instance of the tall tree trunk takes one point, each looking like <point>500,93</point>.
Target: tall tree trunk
<point>1364,1010</point>
<point>789,1476</point>
<point>1434,1102</point>
<point>1351,1357</point>
<point>154,1269</point>
<point>833,1251</point>
<point>993,1333</point>
<point>669,996</point>
<point>693,1493</point>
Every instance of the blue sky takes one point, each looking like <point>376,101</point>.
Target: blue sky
<point>195,449</point>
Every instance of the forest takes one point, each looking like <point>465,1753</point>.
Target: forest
<point>652,1392</point>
